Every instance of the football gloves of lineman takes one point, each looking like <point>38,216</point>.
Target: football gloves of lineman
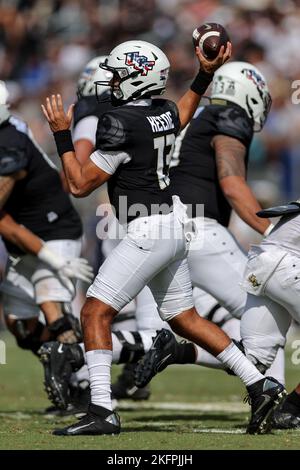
<point>67,269</point>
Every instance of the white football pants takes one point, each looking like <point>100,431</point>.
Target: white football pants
<point>217,263</point>
<point>267,317</point>
<point>152,253</point>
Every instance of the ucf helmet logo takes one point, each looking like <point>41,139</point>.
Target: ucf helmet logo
<point>255,78</point>
<point>139,62</point>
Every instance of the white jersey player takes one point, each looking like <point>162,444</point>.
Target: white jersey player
<point>272,283</point>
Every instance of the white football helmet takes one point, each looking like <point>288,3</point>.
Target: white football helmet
<point>139,69</point>
<point>242,83</point>
<point>92,73</point>
<point>4,113</point>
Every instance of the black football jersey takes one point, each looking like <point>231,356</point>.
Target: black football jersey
<point>147,134</point>
<point>89,106</point>
<point>193,171</point>
<point>38,201</point>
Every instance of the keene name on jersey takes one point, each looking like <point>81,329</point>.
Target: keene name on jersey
<point>161,123</point>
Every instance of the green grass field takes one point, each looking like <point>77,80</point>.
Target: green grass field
<point>190,408</point>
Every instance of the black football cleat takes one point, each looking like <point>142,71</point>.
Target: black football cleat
<point>97,421</point>
<point>264,396</point>
<point>125,389</point>
<point>161,355</point>
<point>286,416</point>
<point>285,420</point>
<point>71,410</point>
<point>80,397</point>
<point>59,361</point>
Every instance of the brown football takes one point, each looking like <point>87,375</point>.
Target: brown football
<point>210,37</point>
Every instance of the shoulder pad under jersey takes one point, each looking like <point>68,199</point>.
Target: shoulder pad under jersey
<point>111,133</point>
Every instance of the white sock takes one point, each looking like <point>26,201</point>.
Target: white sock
<point>82,374</point>
<point>233,358</point>
<point>83,349</point>
<point>99,365</point>
<point>147,337</point>
<point>206,359</point>
<point>277,369</point>
<point>117,347</point>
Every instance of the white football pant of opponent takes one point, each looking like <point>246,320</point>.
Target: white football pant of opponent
<point>272,281</point>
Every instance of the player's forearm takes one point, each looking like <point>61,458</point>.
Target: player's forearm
<point>73,174</point>
<point>244,203</point>
<point>187,106</point>
<point>82,179</point>
<point>28,241</point>
<point>6,187</point>
<point>189,102</point>
<point>19,235</point>
<point>81,182</point>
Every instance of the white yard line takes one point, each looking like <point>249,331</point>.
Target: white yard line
<point>227,407</point>
<point>220,431</point>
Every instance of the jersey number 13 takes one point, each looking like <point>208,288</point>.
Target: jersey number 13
<point>164,146</point>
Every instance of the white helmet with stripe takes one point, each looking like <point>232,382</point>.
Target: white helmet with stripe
<point>139,68</point>
<point>242,83</point>
<point>92,73</point>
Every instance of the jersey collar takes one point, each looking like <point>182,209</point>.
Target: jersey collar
<point>141,102</point>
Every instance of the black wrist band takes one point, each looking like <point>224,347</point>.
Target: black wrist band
<point>201,82</point>
<point>63,141</point>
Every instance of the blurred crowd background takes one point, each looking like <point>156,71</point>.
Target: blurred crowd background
<point>44,45</point>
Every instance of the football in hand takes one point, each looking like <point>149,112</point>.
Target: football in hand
<point>210,37</point>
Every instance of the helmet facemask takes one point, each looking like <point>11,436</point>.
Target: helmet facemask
<point>119,75</point>
<point>91,73</point>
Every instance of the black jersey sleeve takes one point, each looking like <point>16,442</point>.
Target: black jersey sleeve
<point>175,111</point>
<point>234,122</point>
<point>12,159</point>
<point>111,133</point>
